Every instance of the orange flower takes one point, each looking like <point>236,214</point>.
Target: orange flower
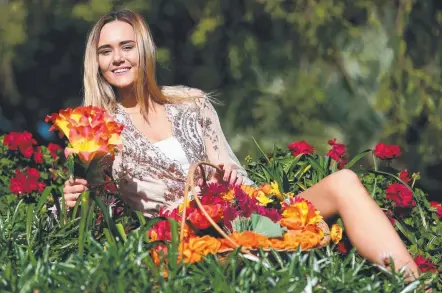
<point>251,239</point>
<point>292,240</point>
<point>250,190</point>
<point>336,233</point>
<point>266,188</point>
<point>198,219</point>
<point>229,195</point>
<point>197,247</point>
<point>300,214</point>
<point>90,130</point>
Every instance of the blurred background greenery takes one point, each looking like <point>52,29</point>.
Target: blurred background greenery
<point>358,70</point>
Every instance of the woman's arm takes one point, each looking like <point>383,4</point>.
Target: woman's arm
<point>217,148</point>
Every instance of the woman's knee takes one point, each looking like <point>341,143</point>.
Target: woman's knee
<point>343,180</point>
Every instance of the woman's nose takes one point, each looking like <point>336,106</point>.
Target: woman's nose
<point>118,57</point>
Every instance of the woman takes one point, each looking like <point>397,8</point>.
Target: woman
<point>168,128</point>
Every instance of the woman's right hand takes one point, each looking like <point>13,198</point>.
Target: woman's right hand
<point>72,190</point>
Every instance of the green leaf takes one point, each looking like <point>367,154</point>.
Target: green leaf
<point>43,197</point>
<point>316,166</point>
<point>356,159</point>
<point>264,226</point>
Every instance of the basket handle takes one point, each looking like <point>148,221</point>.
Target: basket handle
<point>190,187</point>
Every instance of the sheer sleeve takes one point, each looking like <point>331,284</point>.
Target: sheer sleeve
<point>217,148</point>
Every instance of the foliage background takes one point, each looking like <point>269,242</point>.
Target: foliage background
<point>361,71</point>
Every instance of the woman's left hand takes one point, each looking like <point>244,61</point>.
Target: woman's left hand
<point>227,175</point>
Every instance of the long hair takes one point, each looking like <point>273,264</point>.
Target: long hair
<point>98,92</point>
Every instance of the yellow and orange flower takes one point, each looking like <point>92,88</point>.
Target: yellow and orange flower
<point>336,233</point>
<point>300,214</point>
<point>193,250</point>
<point>90,130</point>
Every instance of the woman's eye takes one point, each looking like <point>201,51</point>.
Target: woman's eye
<point>105,52</point>
<point>127,48</point>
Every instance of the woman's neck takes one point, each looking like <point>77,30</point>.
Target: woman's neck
<point>126,97</point>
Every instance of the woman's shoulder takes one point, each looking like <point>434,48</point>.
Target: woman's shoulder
<point>187,96</point>
<point>183,93</point>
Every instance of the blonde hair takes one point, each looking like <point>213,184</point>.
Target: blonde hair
<point>98,92</point>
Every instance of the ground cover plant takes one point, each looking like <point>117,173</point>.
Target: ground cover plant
<point>44,247</point>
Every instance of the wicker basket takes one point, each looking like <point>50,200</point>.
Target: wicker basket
<point>190,186</point>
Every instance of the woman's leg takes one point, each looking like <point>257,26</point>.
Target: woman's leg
<point>369,230</point>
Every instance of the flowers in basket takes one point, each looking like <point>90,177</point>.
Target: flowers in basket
<point>251,217</point>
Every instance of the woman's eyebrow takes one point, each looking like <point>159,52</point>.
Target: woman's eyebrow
<point>121,43</point>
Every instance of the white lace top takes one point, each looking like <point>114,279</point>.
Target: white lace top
<point>172,148</point>
<point>151,176</point>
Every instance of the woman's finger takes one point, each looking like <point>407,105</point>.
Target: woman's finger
<point>80,181</point>
<point>233,177</point>
<point>227,173</point>
<point>239,181</point>
<point>74,189</point>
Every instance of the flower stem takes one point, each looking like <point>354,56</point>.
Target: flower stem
<point>82,229</point>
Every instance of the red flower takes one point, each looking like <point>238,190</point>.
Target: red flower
<point>342,163</point>
<point>438,207</point>
<point>21,141</point>
<point>38,156</point>
<point>424,264</point>
<point>389,215</point>
<point>337,151</point>
<point>300,147</point>
<point>54,149</point>
<point>405,176</point>
<point>401,195</point>
<point>387,152</point>
<point>26,182</point>
<point>198,219</point>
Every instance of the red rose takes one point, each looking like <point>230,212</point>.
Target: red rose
<point>387,152</point>
<point>197,218</point>
<point>438,207</point>
<point>300,147</point>
<point>337,151</point>
<point>405,176</point>
<point>26,182</point>
<point>401,195</point>
<point>424,264</point>
<point>54,149</point>
<point>38,156</point>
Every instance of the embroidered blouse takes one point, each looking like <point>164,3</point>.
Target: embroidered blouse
<point>149,178</point>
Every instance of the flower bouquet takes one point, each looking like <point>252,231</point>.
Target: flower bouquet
<point>93,137</point>
<point>222,218</point>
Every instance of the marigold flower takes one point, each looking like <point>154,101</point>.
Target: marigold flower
<point>336,233</point>
<point>193,250</point>
<point>251,239</point>
<point>300,147</point>
<point>387,152</point>
<point>299,214</point>
<point>401,195</point>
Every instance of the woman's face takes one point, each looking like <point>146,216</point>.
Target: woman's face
<point>117,54</point>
